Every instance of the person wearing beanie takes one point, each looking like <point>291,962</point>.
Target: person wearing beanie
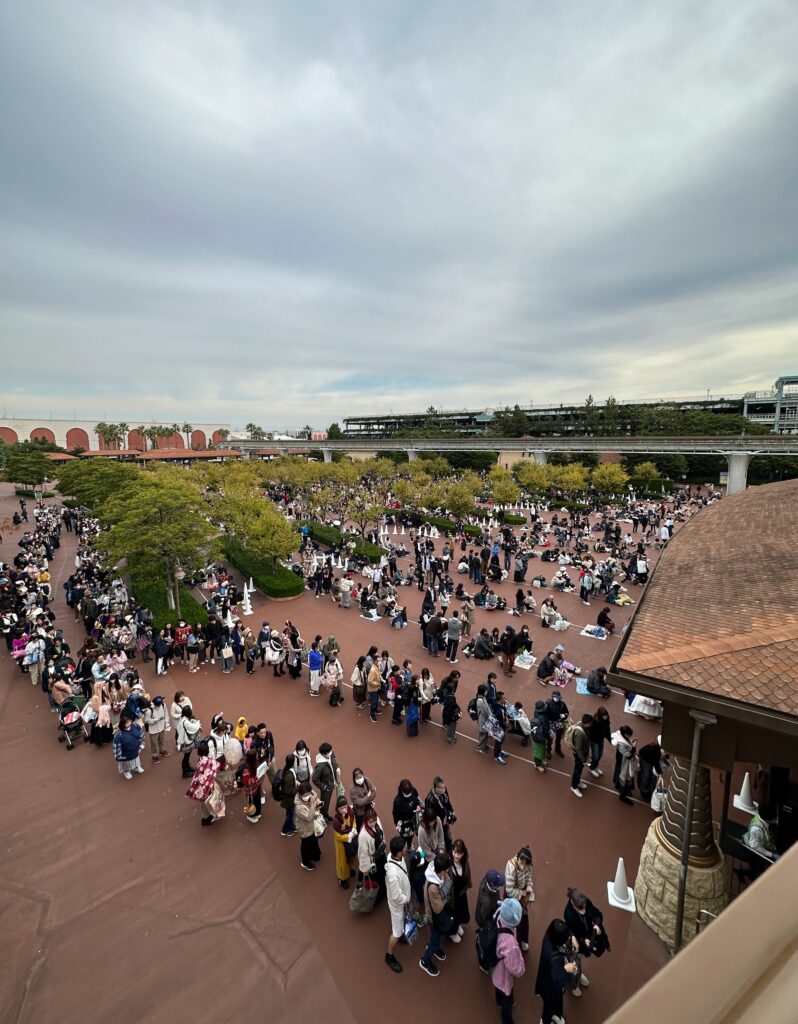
<point>511,961</point>
<point>491,892</point>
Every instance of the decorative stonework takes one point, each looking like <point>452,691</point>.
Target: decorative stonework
<point>657,888</point>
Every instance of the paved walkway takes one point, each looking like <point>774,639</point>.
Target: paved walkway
<point>117,906</point>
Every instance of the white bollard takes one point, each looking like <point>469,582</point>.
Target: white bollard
<point>403,530</point>
<point>744,800</point>
<point>618,892</point>
<point>251,587</point>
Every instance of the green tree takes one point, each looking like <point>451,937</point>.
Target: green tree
<point>334,432</point>
<point>572,478</point>
<point>458,498</point>
<point>647,472</point>
<point>305,433</point>
<point>531,476</point>
<point>156,525</point>
<point>255,432</point>
<point>504,490</point>
<point>186,429</point>
<point>591,415</point>
<point>93,482</point>
<point>31,468</point>
<point>364,509</point>
<point>611,416</point>
<point>609,478</point>
<point>258,525</point>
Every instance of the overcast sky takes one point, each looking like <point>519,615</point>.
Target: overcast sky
<point>292,212</point>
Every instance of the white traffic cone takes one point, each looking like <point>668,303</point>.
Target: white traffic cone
<point>246,604</point>
<point>618,892</point>
<point>251,588</point>
<point>403,530</point>
<point>346,565</point>
<point>229,620</point>
<point>395,531</point>
<point>744,800</point>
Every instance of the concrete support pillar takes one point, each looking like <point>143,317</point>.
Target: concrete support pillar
<point>540,456</point>
<point>738,471</point>
<point>412,454</point>
<point>282,451</point>
<point>327,453</point>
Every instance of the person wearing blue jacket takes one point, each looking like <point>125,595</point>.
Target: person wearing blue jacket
<point>128,741</point>
<point>315,659</point>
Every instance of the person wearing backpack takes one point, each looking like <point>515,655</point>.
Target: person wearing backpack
<point>579,743</point>
<point>509,961</point>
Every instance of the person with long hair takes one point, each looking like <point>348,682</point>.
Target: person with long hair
<point>345,834</point>
<point>406,808</point>
<point>461,882</point>
<point>253,790</point>
<point>306,805</point>
<point>558,970</point>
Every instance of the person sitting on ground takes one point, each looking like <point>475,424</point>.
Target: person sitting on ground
<point>483,648</point>
<point>605,621</point>
<point>759,839</point>
<point>597,682</point>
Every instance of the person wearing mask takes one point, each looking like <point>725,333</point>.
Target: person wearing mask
<point>557,715</point>
<point>156,723</point>
<point>519,886</point>
<point>454,629</point>
<point>302,762</point>
<point>580,748</point>
<point>128,741</point>
<point>362,794</point>
<point>430,835</point>
<point>483,714</point>
<point>511,960</point>
<point>406,808</point>
<point>437,893</point>
<point>461,883</point>
<point>315,662</point>
<point>306,804</point>
<point>558,970</point>
<point>371,850</point>
<point>450,713</point>
<point>189,731</point>
<point>263,747</point>
<point>289,792</point>
<point>345,835</point>
<point>598,733</point>
<point>325,775</point>
<point>625,762</point>
<point>440,805</point>
<point>397,881</point>
<point>358,679</point>
<point>374,687</point>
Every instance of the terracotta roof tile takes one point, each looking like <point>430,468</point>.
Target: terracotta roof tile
<point>721,611</point>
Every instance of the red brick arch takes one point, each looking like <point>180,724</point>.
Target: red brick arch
<point>198,440</point>
<point>173,441</point>
<point>42,434</point>
<point>77,438</point>
<point>136,441</point>
<point>217,437</point>
<point>8,435</point>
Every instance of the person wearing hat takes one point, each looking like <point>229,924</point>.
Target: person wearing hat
<point>597,682</point>
<point>490,894</point>
<point>511,961</point>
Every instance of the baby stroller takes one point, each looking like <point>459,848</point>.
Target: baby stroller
<point>70,724</point>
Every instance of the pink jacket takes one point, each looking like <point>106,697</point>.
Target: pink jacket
<point>511,962</point>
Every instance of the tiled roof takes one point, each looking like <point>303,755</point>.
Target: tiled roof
<point>721,611</point>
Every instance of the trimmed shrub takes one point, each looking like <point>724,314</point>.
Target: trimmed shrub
<point>154,597</point>
<point>331,537</point>
<point>26,492</point>
<point>274,581</point>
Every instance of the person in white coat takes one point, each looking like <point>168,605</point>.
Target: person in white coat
<point>397,882</point>
<point>156,723</point>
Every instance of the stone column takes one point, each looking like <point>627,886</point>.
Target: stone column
<point>327,453</point>
<point>738,471</point>
<point>412,454</point>
<point>540,456</point>
<point>657,884</point>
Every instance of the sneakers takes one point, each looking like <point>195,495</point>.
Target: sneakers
<point>540,768</point>
<point>576,792</point>
<point>583,981</point>
<point>626,800</point>
<point>500,760</point>
<point>456,938</point>
<point>255,818</point>
<point>393,963</point>
<point>138,770</point>
<point>576,992</point>
<point>307,867</point>
<point>291,833</point>
<point>582,785</point>
<point>156,760</point>
<point>595,773</point>
<point>440,955</point>
<point>128,775</point>
<point>430,969</point>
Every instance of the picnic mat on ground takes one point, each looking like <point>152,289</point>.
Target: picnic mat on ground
<point>586,632</point>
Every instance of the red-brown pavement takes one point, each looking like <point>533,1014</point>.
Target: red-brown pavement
<point>117,905</point>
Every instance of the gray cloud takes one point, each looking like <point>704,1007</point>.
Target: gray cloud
<point>287,213</point>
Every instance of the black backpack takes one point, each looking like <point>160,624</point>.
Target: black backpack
<point>472,709</point>
<point>277,786</point>
<point>486,939</point>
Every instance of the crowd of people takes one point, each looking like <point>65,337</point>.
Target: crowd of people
<point>423,872</point>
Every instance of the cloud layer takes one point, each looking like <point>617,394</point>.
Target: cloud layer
<point>291,213</point>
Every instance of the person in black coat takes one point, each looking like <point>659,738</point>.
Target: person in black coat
<point>586,924</point>
<point>557,714</point>
<point>405,805</point>
<point>557,970</point>
<point>439,804</point>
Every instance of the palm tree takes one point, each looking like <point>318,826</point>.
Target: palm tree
<point>187,428</point>
<point>255,432</point>
<point>105,432</point>
<point>120,434</point>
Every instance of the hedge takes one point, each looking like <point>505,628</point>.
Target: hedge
<point>514,520</point>
<point>25,492</point>
<point>154,598</point>
<point>280,582</point>
<point>331,537</point>
<point>573,506</point>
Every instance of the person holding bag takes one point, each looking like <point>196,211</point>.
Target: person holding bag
<point>345,833</point>
<point>519,886</point>
<point>586,923</point>
<point>437,906</point>
<point>397,882</point>
<point>306,806</point>
<point>558,970</point>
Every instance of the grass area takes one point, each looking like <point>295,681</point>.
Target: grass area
<point>154,598</point>
<point>273,582</point>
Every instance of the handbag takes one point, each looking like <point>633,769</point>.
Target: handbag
<point>410,928</point>
<point>227,652</point>
<point>319,825</point>
<point>362,899</point>
<point>658,799</point>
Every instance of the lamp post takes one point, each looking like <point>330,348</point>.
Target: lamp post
<point>179,576</point>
